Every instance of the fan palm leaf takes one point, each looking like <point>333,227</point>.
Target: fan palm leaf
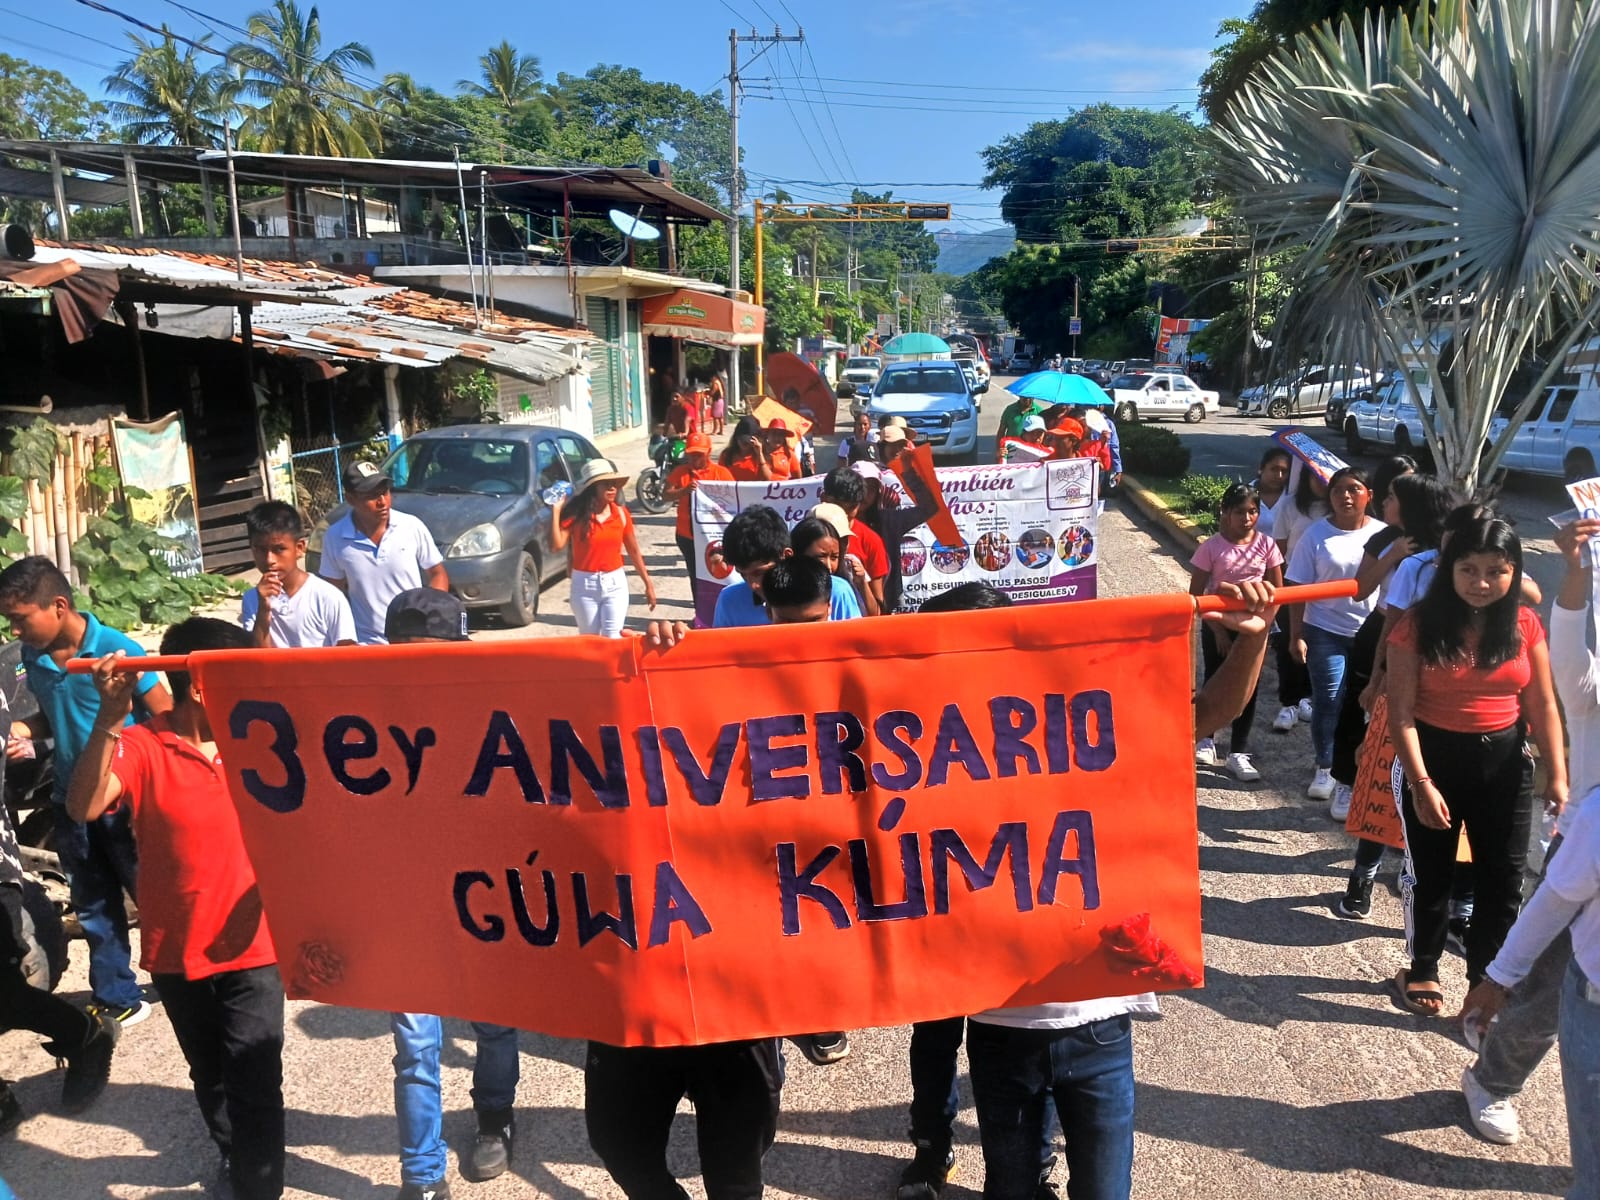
<point>165,94</point>
<point>1434,174</point>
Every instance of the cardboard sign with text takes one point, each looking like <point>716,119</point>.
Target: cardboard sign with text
<point>754,833</point>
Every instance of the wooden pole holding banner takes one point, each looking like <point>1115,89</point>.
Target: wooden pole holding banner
<point>1299,594</point>
<point>58,506</point>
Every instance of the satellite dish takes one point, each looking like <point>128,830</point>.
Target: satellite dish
<point>633,227</point>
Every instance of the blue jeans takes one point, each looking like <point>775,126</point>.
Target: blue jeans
<point>100,861</point>
<point>1327,655</point>
<point>418,1104</point>
<point>1088,1071</point>
<point>1580,1079</point>
<point>934,1097</point>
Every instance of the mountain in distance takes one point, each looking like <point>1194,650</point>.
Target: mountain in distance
<point>963,253</point>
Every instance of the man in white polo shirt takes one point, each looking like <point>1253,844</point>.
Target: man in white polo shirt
<point>375,552</point>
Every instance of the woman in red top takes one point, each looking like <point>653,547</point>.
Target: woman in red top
<point>598,529</point>
<point>1469,673</point>
<point>681,484</point>
<point>745,455</point>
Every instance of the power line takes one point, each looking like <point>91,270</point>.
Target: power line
<point>973,87</point>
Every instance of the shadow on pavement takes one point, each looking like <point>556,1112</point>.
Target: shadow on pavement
<point>1357,1135</point>
<point>1276,1000</point>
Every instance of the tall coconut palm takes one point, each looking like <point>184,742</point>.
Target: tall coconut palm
<point>1433,181</point>
<point>168,95</point>
<point>514,82</point>
<point>307,102</point>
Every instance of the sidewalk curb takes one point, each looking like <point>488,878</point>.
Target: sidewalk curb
<point>1176,526</point>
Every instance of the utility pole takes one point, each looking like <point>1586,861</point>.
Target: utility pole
<point>233,203</point>
<point>1075,317</point>
<point>735,199</point>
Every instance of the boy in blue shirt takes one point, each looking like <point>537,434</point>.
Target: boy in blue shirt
<point>754,542</point>
<point>99,857</point>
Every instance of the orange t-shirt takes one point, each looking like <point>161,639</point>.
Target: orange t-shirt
<point>597,544</point>
<point>745,468</point>
<point>686,476</point>
<point>1464,698</point>
<point>782,462</point>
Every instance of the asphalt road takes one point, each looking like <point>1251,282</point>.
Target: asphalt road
<point>1291,1073</point>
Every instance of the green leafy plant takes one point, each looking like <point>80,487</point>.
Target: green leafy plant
<point>478,386</point>
<point>1147,450</point>
<point>31,450</point>
<point>124,567</point>
<point>1204,492</point>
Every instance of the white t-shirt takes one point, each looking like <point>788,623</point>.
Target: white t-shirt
<point>317,615</point>
<point>1411,579</point>
<point>1573,877</point>
<point>1069,1016</point>
<point>1289,524</point>
<point>1327,553</point>
<point>375,575</point>
<point>1575,663</point>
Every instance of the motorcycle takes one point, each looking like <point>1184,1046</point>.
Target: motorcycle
<point>25,787</point>
<point>649,489</point>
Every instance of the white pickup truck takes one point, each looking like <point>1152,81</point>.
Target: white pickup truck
<point>1389,417</point>
<point>1145,395</point>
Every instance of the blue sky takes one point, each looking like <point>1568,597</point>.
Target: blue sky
<point>915,88</point>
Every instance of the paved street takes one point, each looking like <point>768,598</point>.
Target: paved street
<point>1292,1073</point>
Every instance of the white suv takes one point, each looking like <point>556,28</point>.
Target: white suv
<point>1561,436</point>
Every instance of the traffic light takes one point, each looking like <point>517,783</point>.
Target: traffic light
<point>1122,246</point>
<point>927,212</point>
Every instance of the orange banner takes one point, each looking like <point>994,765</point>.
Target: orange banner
<point>915,470</point>
<point>750,834</point>
<point>1373,814</point>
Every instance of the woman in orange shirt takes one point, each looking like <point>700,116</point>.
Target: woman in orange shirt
<point>595,530</point>
<point>745,456</point>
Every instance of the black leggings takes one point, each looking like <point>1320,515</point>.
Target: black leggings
<point>1211,655</point>
<point>23,1006</point>
<point>1486,780</point>
<point>686,548</point>
<point>1351,730</point>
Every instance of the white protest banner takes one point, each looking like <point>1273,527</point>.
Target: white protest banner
<point>1030,530</point>
<point>1585,496</point>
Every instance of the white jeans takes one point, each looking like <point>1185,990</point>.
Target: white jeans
<point>600,601</point>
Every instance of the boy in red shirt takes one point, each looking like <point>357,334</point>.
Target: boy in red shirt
<point>203,936</point>
<point>680,486</point>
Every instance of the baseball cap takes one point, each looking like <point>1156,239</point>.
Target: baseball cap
<point>1096,420</point>
<point>697,443</point>
<point>1033,425</point>
<point>1067,427</point>
<point>892,434</point>
<point>364,479</point>
<point>425,613</point>
<point>834,516</point>
<point>867,470</point>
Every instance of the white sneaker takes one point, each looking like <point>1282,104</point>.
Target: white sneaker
<point>1286,718</point>
<point>1322,785</point>
<point>1339,807</point>
<point>1304,711</point>
<point>1205,752</point>
<point>1241,768</point>
<point>1495,1120</point>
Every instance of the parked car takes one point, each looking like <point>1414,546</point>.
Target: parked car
<point>477,489</point>
<point>862,372</point>
<point>935,399</point>
<point>1021,364</point>
<point>1388,416</point>
<point>1305,392</point>
<point>1096,369</point>
<point>1561,436</point>
<point>1144,395</point>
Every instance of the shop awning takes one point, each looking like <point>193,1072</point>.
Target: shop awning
<point>700,317</point>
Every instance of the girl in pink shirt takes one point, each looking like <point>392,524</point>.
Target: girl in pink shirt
<point>1236,553</point>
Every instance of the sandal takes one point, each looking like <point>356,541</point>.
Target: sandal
<point>1424,998</point>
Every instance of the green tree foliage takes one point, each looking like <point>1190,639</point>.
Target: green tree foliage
<point>167,94</point>
<point>1271,26</point>
<point>1068,187</point>
<point>39,103</point>
<point>306,101</point>
<point>512,82</point>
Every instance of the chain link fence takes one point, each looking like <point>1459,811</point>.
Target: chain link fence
<point>319,474</point>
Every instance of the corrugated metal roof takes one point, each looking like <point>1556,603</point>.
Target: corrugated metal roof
<point>304,309</point>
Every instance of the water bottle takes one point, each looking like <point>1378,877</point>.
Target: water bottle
<point>559,490</point>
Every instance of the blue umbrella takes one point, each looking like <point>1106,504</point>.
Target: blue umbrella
<point>1058,387</point>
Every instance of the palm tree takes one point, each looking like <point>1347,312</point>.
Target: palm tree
<point>308,103</point>
<point>167,96</point>
<point>1431,181</point>
<point>512,81</point>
